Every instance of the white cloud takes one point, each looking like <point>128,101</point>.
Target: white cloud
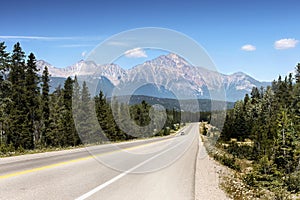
<point>22,37</point>
<point>136,53</point>
<point>117,43</point>
<point>83,54</point>
<point>248,47</point>
<point>75,45</point>
<point>286,43</point>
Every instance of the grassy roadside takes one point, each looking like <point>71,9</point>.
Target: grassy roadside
<point>9,151</point>
<point>240,169</point>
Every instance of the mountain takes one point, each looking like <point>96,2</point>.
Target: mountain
<point>167,76</point>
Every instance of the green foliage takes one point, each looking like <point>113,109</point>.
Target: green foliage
<point>228,161</point>
<point>204,129</point>
<point>45,109</point>
<point>293,181</point>
<point>241,151</point>
<point>271,119</point>
<point>19,132</point>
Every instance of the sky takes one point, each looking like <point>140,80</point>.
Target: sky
<point>260,38</point>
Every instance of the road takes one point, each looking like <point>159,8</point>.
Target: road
<point>160,168</point>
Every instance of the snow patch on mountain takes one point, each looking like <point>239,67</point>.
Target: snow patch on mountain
<point>170,71</point>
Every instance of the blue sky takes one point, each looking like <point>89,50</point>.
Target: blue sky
<point>62,32</point>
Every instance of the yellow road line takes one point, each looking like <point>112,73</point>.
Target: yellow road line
<point>5,176</point>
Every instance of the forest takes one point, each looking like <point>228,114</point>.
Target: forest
<point>261,137</point>
<point>33,118</point>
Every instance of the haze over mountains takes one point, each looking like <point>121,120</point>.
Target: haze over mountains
<point>167,76</point>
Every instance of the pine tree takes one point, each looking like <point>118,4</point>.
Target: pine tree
<point>5,90</point>
<point>297,76</point>
<point>204,129</point>
<point>85,124</point>
<point>19,134</point>
<point>70,133</point>
<point>32,96</point>
<point>76,96</point>
<point>54,136</point>
<point>45,106</point>
<point>4,60</point>
<point>100,106</point>
<point>254,95</point>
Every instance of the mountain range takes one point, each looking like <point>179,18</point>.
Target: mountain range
<point>167,76</point>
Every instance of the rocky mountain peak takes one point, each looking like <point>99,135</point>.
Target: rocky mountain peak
<point>166,72</point>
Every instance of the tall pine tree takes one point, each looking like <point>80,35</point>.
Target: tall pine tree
<point>32,96</point>
<point>5,90</point>
<point>19,134</point>
<point>45,107</point>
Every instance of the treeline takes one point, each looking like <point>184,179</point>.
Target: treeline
<point>31,117</point>
<point>270,119</point>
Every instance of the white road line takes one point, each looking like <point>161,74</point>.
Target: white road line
<point>102,186</point>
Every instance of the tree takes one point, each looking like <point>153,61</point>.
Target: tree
<point>105,118</point>
<point>5,90</point>
<point>286,144</point>
<point>54,136</point>
<point>255,95</point>
<point>19,134</point>
<point>70,134</point>
<point>32,95</point>
<point>297,75</point>
<point>204,129</point>
<point>4,60</point>
<point>85,123</point>
<point>45,107</point>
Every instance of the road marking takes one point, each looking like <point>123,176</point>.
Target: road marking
<point>43,168</point>
<point>5,176</point>
<point>107,183</point>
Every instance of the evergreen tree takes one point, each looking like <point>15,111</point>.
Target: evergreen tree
<point>85,124</point>
<point>297,75</point>
<point>105,117</point>
<point>204,129</point>
<point>19,134</point>
<point>255,95</point>
<point>5,90</point>
<point>285,145</point>
<point>70,134</point>
<point>4,61</point>
<point>32,95</point>
<point>54,136</point>
<point>45,107</point>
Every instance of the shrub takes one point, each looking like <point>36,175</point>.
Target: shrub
<point>293,182</point>
<point>227,161</point>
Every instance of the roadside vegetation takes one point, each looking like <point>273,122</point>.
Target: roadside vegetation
<point>260,142</point>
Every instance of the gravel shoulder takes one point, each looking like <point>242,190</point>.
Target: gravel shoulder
<point>208,177</point>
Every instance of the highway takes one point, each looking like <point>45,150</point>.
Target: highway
<point>150,169</point>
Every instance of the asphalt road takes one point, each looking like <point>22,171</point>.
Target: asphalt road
<point>160,168</point>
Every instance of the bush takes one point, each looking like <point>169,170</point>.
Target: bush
<point>6,150</point>
<point>228,161</point>
<point>293,182</point>
<point>242,151</point>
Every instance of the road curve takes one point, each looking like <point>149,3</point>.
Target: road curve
<point>160,168</point>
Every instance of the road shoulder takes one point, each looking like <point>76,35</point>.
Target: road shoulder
<point>207,177</point>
